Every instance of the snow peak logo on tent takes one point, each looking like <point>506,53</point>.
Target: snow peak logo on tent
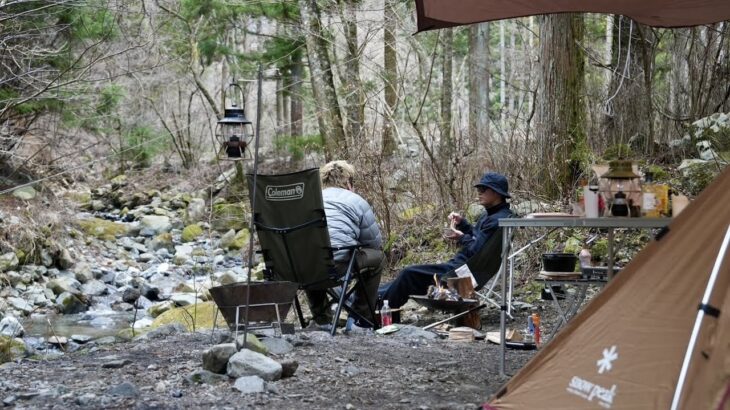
<point>285,192</point>
<point>589,390</point>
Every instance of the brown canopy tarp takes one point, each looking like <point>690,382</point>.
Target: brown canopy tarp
<point>435,14</point>
<point>625,350</point>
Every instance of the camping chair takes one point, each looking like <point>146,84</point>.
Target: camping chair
<point>295,244</point>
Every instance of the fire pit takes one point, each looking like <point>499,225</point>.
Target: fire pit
<point>270,301</point>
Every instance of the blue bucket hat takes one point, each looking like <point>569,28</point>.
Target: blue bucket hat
<point>496,182</point>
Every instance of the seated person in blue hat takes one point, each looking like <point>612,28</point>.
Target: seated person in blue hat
<point>493,190</point>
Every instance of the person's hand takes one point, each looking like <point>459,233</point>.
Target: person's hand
<point>452,233</point>
<point>455,219</point>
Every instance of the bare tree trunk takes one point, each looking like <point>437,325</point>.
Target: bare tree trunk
<point>390,77</point>
<point>295,98</point>
<point>351,84</point>
<point>560,111</point>
<point>447,92</point>
<point>323,85</point>
<point>479,87</point>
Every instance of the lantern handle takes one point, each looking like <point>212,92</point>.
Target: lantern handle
<point>233,86</point>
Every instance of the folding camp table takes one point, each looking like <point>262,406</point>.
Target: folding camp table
<point>574,300</point>
<point>609,223</point>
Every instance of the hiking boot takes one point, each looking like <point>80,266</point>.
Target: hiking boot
<point>351,328</point>
<point>314,326</point>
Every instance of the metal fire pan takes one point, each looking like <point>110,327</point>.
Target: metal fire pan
<point>445,305</point>
<point>265,298</point>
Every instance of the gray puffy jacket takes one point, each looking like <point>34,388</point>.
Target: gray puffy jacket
<point>350,220</point>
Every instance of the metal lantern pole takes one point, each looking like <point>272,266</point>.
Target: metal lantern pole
<point>252,226</point>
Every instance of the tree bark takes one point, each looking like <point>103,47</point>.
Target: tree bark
<point>479,87</point>
<point>447,93</point>
<point>351,84</point>
<point>323,85</point>
<point>560,110</point>
<point>390,77</point>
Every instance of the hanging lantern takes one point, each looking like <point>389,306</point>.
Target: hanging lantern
<point>234,130</point>
<point>622,189</point>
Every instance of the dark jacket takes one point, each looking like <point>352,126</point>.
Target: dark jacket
<point>475,236</point>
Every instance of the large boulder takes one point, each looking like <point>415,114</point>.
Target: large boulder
<point>250,363</point>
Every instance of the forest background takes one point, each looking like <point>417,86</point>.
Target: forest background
<point>94,89</point>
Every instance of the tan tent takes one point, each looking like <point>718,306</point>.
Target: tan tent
<point>626,350</point>
<point>434,14</point>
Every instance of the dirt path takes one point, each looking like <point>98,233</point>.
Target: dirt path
<point>356,371</point>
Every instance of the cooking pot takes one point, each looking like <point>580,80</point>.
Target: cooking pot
<point>559,262</point>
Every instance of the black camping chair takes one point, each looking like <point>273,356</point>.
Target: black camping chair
<point>295,244</point>
<point>486,262</point>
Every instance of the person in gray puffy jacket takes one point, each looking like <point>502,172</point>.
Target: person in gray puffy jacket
<point>350,221</point>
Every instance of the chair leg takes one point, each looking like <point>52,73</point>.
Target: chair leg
<point>299,311</point>
<point>343,295</point>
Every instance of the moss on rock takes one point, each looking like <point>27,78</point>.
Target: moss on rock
<point>102,229</point>
<point>191,232</point>
<point>10,349</point>
<point>197,317</point>
<point>229,216</point>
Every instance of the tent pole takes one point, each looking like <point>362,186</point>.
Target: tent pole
<point>252,226</point>
<point>698,321</point>
<point>506,236</point>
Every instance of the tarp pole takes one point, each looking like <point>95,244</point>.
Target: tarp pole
<point>252,227</point>
<point>503,308</point>
<point>698,321</point>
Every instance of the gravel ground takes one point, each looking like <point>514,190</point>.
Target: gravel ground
<point>401,370</point>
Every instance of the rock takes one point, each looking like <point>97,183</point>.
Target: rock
<point>11,327</point>
<point>25,193</point>
<point>69,303</point>
<point>102,229</point>
<point>64,259</point>
<point>130,295</point>
<point>288,368</point>
<point>252,343</point>
<point>277,345</point>
<point>227,239</point>
<point>201,316</point>
<point>216,358</point>
<point>156,224</point>
<point>191,233</point>
<point>195,211</point>
<point>229,216</point>
<point>227,277</point>
<point>57,340</point>
<point>250,363</point>
<point>94,288</point>
<point>82,339</point>
<point>125,389</point>
<point>8,261</point>
<point>165,331</point>
<point>162,241</point>
<point>249,384</point>
<point>20,304</point>
<point>204,377</point>
<point>116,364</point>
<point>83,273</point>
<point>185,299</point>
<point>159,308</point>
<point>64,284</point>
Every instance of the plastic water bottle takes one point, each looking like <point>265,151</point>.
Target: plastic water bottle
<point>386,318</point>
<point>536,324</point>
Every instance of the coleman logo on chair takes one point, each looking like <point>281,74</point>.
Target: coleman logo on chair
<point>285,192</point>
